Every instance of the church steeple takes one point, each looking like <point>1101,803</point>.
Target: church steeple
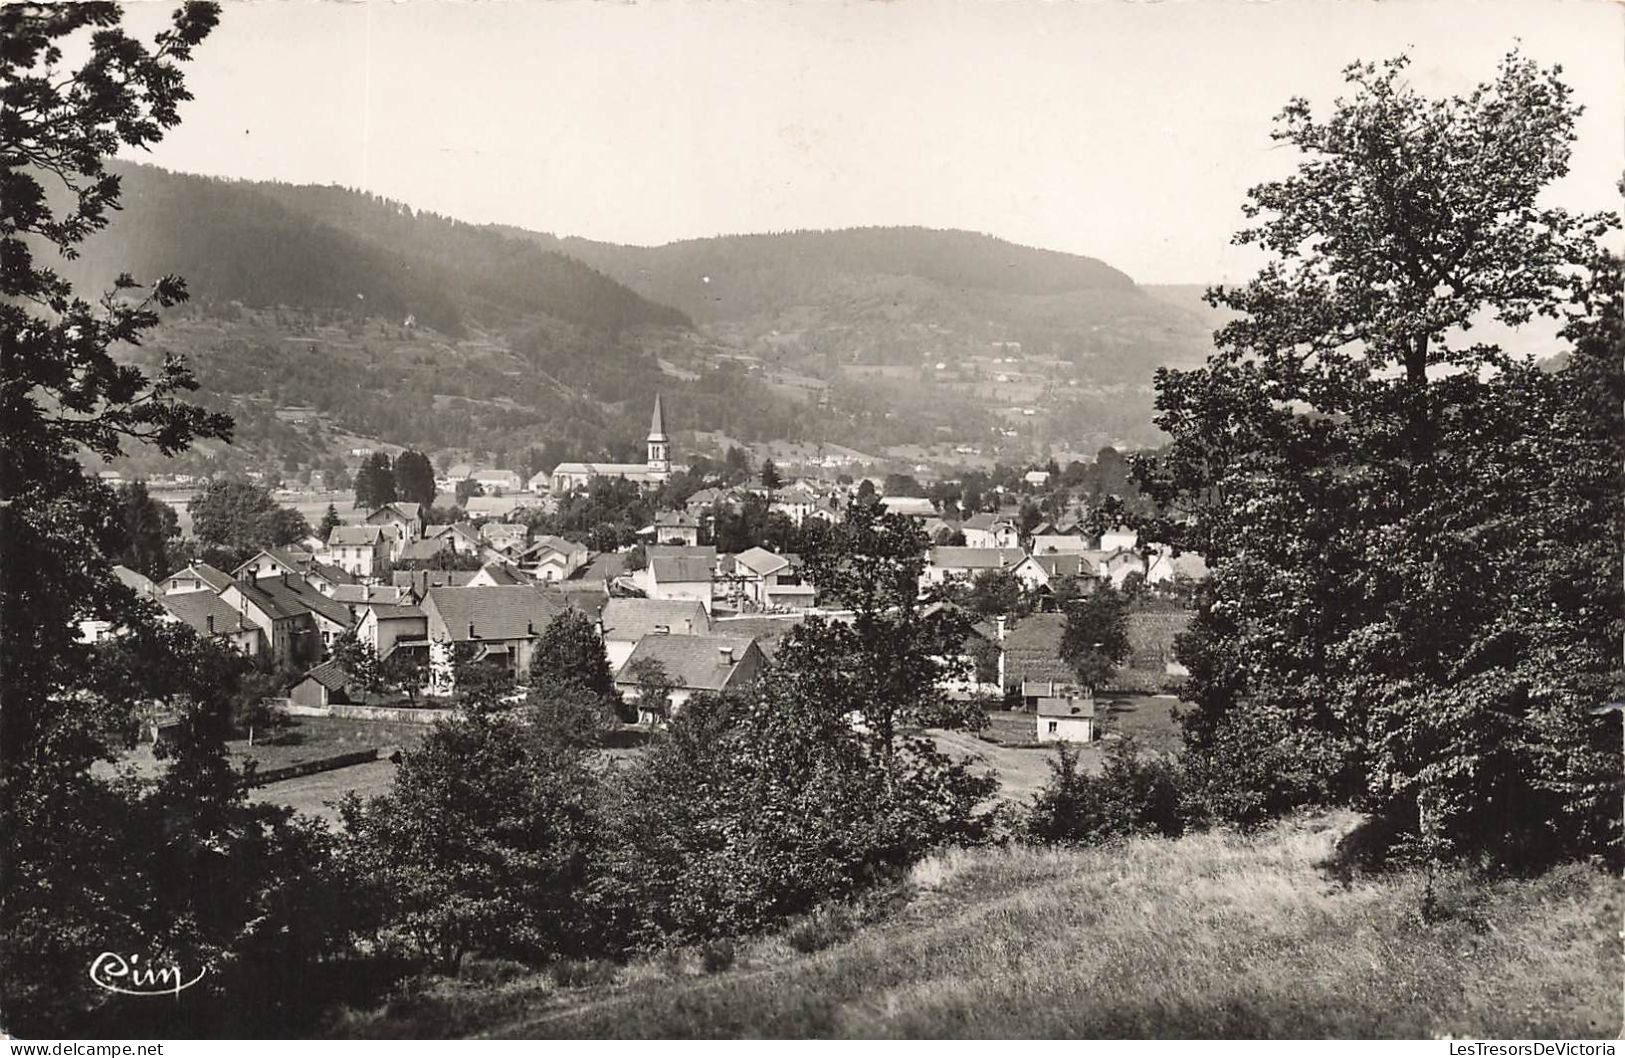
<point>659,444</point>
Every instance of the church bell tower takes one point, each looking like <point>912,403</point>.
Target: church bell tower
<point>659,444</point>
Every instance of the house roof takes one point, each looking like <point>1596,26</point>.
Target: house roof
<point>293,594</point>
<point>139,583</point>
<point>977,557</point>
<point>986,521</point>
<point>409,511</point>
<point>1064,565</point>
<point>355,535</point>
<point>556,544</point>
<point>1064,543</point>
<point>393,612</point>
<point>694,662</point>
<point>194,608</point>
<point>686,569</point>
<point>676,520</point>
<point>707,552</point>
<point>1077,708</point>
<point>421,580</point>
<point>501,574</point>
<point>423,550</point>
<point>367,593</point>
<point>330,674</point>
<point>602,567</point>
<point>501,612</point>
<point>629,620</point>
<point>761,561</point>
<point>914,505</point>
<point>337,576</point>
<point>217,579</point>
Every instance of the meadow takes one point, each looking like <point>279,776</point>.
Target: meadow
<point>1211,935</point>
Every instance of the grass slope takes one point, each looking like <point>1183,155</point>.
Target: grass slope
<point>1213,935</point>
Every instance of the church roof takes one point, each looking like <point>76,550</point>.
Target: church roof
<point>657,423</point>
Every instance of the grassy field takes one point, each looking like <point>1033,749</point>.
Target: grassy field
<point>315,794</point>
<point>1212,935</point>
<point>306,738</point>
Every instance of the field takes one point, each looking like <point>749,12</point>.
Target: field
<point>312,737</point>
<point>1211,935</point>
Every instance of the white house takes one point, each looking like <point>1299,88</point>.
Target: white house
<point>360,550</point>
<point>1066,719</point>
<point>964,563</point>
<point>674,527</point>
<point>500,624</point>
<point>199,576</point>
<point>693,664</point>
<point>553,558</point>
<point>1120,538</point>
<point>686,577</point>
<point>625,622</point>
<point>990,530</point>
<point>1059,544</point>
<point>383,627</point>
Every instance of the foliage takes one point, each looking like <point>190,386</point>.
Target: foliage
<point>150,528</point>
<point>996,591</point>
<point>1095,640</point>
<point>240,517</point>
<point>330,521</point>
<point>654,686</point>
<point>481,842</point>
<point>570,655</point>
<point>1134,794</point>
<point>414,478</point>
<point>1414,536</point>
<point>770,475</point>
<point>375,482</point>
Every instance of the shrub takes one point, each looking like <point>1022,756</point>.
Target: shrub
<point>717,955</point>
<point>1134,794</point>
<point>826,926</point>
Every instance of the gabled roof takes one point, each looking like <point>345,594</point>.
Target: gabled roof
<point>500,574</point>
<point>976,557</point>
<point>761,561</point>
<point>556,544</point>
<point>393,612</point>
<point>987,521</point>
<point>707,551</point>
<point>421,580</point>
<point>913,505</point>
<point>696,662</point>
<point>330,674</point>
<point>352,594</point>
<point>410,511</point>
<point>292,595</point>
<point>139,583</point>
<point>686,569</point>
<point>1069,564</point>
<point>217,579</point>
<point>502,612</point>
<point>423,550</point>
<point>194,608</point>
<point>629,620</point>
<point>1064,543</point>
<point>355,536</point>
<point>337,576</point>
<point>1078,708</point>
<point>676,520</point>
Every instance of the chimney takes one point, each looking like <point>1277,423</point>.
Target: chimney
<point>471,634</point>
<point>999,623</point>
<point>211,624</point>
<point>727,655</point>
<point>287,579</point>
<point>600,626</point>
<point>530,628</point>
<point>662,630</point>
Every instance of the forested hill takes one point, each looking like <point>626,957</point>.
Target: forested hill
<point>326,248</point>
<point>735,276</point>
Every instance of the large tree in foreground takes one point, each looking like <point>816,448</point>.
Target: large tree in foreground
<point>1414,534</point>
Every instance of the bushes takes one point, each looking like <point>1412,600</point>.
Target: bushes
<point>1134,794</point>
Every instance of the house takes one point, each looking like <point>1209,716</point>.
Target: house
<point>964,563</point>
<point>1036,478</point>
<point>288,635</point>
<point>385,626</point>
<point>625,622</point>
<point>424,550</point>
<point>199,576</point>
<point>326,684</point>
<point>1058,544</point>
<point>500,625</point>
<point>274,562</point>
<point>356,596</point>
<point>505,536</point>
<point>462,537</point>
<point>331,618</point>
<point>674,527</point>
<point>681,577</point>
<point>912,506</point>
<point>1120,538</point>
<point>700,503</point>
<point>1116,566</point>
<point>655,469</point>
<point>415,583</point>
<point>538,483</point>
<point>406,517</point>
<point>768,581</point>
<point>990,530</point>
<point>1038,572</point>
<point>139,583</point>
<point>1164,566</point>
<point>360,550</point>
<point>1068,718</point>
<point>796,502</point>
<point>496,574</point>
<point>553,558</point>
<point>213,618</point>
<point>496,482</point>
<point>693,664</point>
<point>484,508</point>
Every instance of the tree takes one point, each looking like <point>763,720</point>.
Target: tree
<point>569,653</point>
<point>994,592</point>
<point>240,517</point>
<point>466,490</point>
<point>149,528</point>
<point>414,478</point>
<point>330,521</point>
<point>654,684</point>
<point>1366,480</point>
<point>770,475</point>
<point>375,482</point>
<point>1095,639</point>
<point>1136,793</point>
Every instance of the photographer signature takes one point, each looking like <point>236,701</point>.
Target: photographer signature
<point>127,977</point>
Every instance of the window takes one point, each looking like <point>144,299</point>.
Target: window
<point>1054,726</point>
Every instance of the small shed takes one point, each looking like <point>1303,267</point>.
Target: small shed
<point>323,685</point>
<point>1066,719</point>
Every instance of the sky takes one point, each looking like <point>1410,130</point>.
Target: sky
<point>1126,131</point>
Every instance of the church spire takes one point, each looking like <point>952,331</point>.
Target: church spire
<point>657,424</point>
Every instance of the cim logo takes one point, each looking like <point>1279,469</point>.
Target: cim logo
<point>128,977</point>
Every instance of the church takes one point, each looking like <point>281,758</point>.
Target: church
<point>657,468</point>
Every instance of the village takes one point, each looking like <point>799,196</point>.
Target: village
<point>675,615</point>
